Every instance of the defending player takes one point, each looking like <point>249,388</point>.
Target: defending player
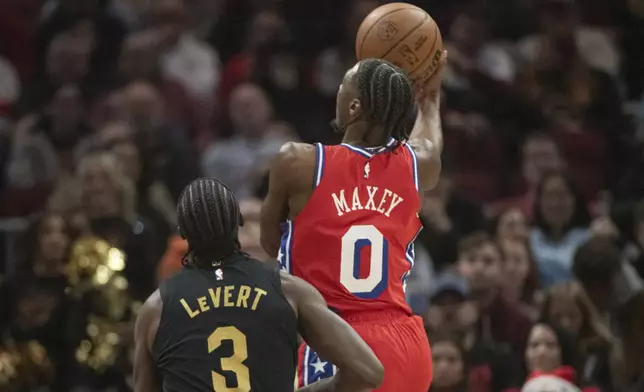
<point>227,322</point>
<point>351,214</point>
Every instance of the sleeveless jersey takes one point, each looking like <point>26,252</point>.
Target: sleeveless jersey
<point>354,238</point>
<point>226,329</point>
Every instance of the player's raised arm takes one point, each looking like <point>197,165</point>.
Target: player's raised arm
<point>427,135</point>
<point>287,165</point>
<point>334,340</point>
<point>147,323</point>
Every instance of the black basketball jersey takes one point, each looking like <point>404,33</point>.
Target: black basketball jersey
<point>226,329</point>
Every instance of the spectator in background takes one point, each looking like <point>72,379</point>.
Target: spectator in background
<point>67,63</point>
<point>559,20</point>
<point>44,145</point>
<point>599,267</point>
<point>45,249</point>
<point>449,361</point>
<point>241,160</point>
<point>549,348</point>
<point>167,154</point>
<point>575,96</point>
<point>267,30</point>
<point>630,376</point>
<point>37,332</point>
<point>112,109</point>
<point>10,87</point>
<point>511,225</point>
<point>109,201</point>
<point>332,63</point>
<point>91,18</point>
<point>453,310</point>
<point>421,279</point>
<point>552,352</point>
<point>154,200</point>
<point>539,155</point>
<point>502,323</point>
<point>39,305</point>
<point>520,276</point>
<point>187,61</point>
<point>634,251</point>
<point>561,222</point>
<point>568,306</point>
<point>139,56</point>
<point>447,216</point>
<point>473,56</point>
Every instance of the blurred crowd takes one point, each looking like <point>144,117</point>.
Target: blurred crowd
<point>529,270</point>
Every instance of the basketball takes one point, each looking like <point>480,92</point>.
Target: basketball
<point>403,34</point>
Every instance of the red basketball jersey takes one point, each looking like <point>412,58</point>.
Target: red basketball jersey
<point>354,239</point>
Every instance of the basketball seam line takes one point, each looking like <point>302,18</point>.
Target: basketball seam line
<point>422,22</point>
<point>374,24</point>
<point>430,53</point>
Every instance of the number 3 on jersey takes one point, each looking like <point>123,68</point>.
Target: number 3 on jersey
<point>233,364</point>
<point>353,242</point>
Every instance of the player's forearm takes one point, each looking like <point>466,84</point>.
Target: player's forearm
<point>428,123</point>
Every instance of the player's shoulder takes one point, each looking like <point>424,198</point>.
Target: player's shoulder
<point>292,154</point>
<point>295,150</point>
<point>150,309</point>
<point>423,148</point>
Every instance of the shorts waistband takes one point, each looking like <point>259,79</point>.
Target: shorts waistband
<point>374,315</point>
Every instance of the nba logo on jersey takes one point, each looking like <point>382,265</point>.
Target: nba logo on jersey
<point>219,274</point>
<point>367,169</point>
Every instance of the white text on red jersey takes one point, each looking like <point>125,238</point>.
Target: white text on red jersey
<point>369,198</point>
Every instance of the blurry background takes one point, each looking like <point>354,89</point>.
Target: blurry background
<point>532,256</point>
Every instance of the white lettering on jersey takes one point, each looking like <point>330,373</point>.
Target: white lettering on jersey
<point>382,201</point>
<point>340,203</point>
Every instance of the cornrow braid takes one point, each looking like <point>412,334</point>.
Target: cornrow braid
<point>209,220</point>
<point>386,96</point>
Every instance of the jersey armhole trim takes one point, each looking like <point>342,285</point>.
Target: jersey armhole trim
<point>414,164</point>
<point>319,164</point>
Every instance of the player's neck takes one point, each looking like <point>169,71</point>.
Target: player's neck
<point>361,134</point>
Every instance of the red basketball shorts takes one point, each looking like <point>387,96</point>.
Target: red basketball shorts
<point>399,341</point>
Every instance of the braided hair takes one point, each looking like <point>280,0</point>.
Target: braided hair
<point>387,97</point>
<point>209,219</point>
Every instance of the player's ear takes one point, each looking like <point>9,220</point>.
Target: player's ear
<point>355,108</point>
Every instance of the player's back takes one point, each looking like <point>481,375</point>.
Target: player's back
<point>354,239</point>
<point>226,329</point>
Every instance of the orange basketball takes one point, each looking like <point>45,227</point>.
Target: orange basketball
<point>403,34</point>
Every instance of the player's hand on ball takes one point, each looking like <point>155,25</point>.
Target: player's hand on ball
<point>431,88</point>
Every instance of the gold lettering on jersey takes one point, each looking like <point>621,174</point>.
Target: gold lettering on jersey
<point>214,296</point>
<point>242,299</point>
<point>225,297</point>
<point>202,304</point>
<point>191,313</point>
<point>260,294</point>
<point>383,201</point>
<point>228,295</point>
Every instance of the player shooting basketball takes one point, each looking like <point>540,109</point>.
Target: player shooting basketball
<point>350,215</point>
